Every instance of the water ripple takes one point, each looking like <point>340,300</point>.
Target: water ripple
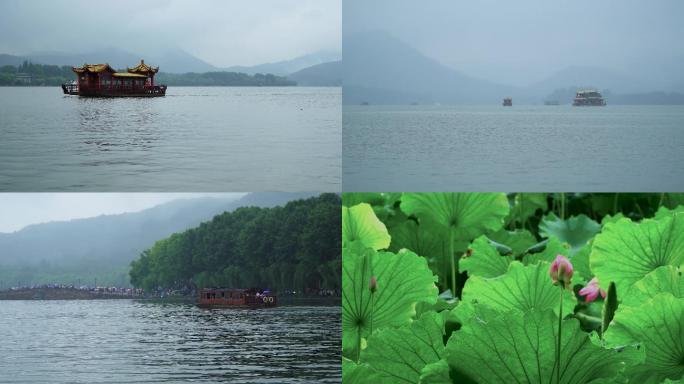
<point>127,341</point>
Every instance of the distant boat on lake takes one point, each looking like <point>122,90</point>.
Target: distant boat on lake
<point>101,80</point>
<point>587,98</point>
<point>508,102</point>
<point>235,298</point>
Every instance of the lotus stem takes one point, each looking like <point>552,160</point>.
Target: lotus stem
<point>453,262</point>
<point>560,324</point>
<point>358,346</point>
<point>372,310</point>
<point>562,205</point>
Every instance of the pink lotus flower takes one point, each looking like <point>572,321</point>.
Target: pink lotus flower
<point>592,290</point>
<point>561,271</point>
<point>373,285</point>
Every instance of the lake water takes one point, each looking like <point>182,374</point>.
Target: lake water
<point>522,148</point>
<point>194,139</point>
<point>116,341</point>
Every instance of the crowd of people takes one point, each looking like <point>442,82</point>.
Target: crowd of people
<point>118,291</point>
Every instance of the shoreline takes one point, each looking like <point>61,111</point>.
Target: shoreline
<point>70,294</point>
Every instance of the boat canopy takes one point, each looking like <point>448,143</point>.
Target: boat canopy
<point>143,68</point>
<point>93,68</point>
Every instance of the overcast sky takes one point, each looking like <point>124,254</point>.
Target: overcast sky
<point>519,42</point>
<point>21,209</point>
<point>221,32</point>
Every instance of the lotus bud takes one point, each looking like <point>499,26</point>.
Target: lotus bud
<point>561,271</point>
<point>592,290</point>
<point>373,285</point>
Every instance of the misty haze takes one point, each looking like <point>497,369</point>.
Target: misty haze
<point>170,95</point>
<point>526,96</point>
<point>477,53</point>
<point>115,286</point>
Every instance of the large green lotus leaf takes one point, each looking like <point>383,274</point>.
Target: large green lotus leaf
<point>435,373</point>
<point>484,260</point>
<point>580,263</point>
<point>659,326</point>
<point>424,240</point>
<point>576,231</point>
<point>612,218</point>
<point>520,347</point>
<point>526,205</point>
<point>357,373</point>
<point>430,241</point>
<point>403,279</point>
<point>625,251</point>
<point>519,241</point>
<point>667,279</point>
<point>467,215</point>
<point>398,355</point>
<point>359,223</point>
<point>522,288</point>
<point>664,212</point>
<point>553,248</point>
<point>351,199</point>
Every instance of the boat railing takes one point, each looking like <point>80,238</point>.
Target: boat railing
<point>115,88</point>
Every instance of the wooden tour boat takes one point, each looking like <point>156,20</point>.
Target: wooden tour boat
<point>235,298</point>
<point>101,80</point>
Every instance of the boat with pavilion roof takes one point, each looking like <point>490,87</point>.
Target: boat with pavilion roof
<point>101,80</point>
<point>236,298</point>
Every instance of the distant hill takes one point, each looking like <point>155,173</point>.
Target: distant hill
<point>381,69</point>
<point>99,245</point>
<point>587,77</point>
<point>12,60</point>
<point>378,67</point>
<point>171,61</point>
<point>320,75</point>
<point>174,61</point>
<point>286,67</point>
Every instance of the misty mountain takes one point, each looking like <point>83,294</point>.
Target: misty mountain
<point>174,61</point>
<point>12,60</point>
<point>320,75</point>
<point>379,67</point>
<point>286,67</point>
<point>170,61</point>
<point>111,241</point>
<point>587,77</point>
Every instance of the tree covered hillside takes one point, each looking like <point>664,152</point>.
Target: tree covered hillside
<point>293,247</point>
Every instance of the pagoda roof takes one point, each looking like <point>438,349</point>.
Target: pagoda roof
<point>143,68</point>
<point>95,68</point>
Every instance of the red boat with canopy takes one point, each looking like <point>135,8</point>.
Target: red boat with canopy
<point>101,80</point>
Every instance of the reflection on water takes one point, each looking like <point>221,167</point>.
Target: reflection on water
<point>195,138</point>
<point>111,124</point>
<point>127,341</point>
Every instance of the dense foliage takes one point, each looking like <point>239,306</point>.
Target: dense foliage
<point>53,75</point>
<point>293,247</point>
<point>456,287</point>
